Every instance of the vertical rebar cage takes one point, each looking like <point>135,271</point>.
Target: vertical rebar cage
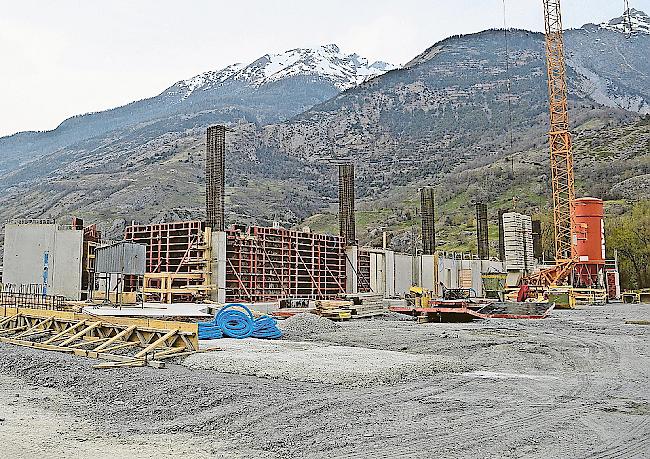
<point>347,228</point>
<point>215,177</point>
<point>427,208</point>
<point>482,231</point>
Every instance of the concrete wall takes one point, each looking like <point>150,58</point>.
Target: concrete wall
<point>403,273</point>
<point>26,246</point>
<point>393,273</point>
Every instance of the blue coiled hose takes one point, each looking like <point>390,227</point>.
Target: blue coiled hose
<point>234,322</point>
<point>266,327</point>
<point>237,321</point>
<point>209,330</point>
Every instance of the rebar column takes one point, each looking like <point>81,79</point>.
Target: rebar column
<point>347,228</point>
<point>482,231</point>
<point>537,239</point>
<point>427,209</point>
<point>502,238</point>
<point>215,177</point>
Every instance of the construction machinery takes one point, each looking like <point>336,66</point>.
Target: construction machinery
<point>561,155</point>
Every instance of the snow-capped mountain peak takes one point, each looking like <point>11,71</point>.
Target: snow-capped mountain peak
<point>327,62</point>
<point>640,23</point>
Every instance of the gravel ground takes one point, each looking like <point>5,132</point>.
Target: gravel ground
<point>574,385</point>
<point>306,326</point>
<point>319,362</point>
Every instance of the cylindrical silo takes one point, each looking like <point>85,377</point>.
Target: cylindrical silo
<point>590,230</point>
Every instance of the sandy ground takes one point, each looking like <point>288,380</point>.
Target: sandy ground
<point>575,385</point>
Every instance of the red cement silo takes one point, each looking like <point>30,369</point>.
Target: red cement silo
<point>590,230</point>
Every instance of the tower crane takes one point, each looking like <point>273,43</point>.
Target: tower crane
<point>561,154</point>
<point>559,136</point>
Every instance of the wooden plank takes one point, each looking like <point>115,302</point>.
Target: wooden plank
<point>116,338</point>
<point>47,347</point>
<point>15,329</point>
<point>80,333</point>
<point>65,331</point>
<point>121,346</point>
<point>168,352</point>
<point>95,341</point>
<point>156,343</point>
<point>9,319</point>
<point>27,332</point>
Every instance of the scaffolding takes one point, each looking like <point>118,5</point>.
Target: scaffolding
<point>264,264</point>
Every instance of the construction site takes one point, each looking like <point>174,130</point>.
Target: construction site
<point>208,338</point>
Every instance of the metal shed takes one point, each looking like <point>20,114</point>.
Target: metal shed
<point>121,258</point>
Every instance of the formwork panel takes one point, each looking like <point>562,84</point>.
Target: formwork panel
<point>264,264</point>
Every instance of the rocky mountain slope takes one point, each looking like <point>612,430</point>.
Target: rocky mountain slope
<point>440,117</point>
<point>270,89</point>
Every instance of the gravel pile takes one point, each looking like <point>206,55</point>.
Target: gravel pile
<point>306,325</point>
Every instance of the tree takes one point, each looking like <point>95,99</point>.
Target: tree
<point>629,235</point>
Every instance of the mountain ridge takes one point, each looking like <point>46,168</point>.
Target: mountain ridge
<point>425,123</point>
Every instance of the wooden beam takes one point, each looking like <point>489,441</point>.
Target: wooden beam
<point>95,341</point>
<point>67,330</point>
<point>115,338</point>
<point>9,319</point>
<point>156,343</point>
<point>15,329</point>
<point>27,332</point>
<point>80,333</point>
<point>121,346</point>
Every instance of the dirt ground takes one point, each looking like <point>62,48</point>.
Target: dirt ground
<point>575,385</point>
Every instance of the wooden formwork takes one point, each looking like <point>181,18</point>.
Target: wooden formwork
<point>264,264</point>
<point>149,341</point>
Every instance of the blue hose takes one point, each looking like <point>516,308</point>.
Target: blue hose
<point>209,330</point>
<point>266,327</point>
<point>237,321</point>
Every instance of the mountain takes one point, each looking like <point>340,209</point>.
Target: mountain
<point>638,19</point>
<point>270,89</point>
<point>443,119</point>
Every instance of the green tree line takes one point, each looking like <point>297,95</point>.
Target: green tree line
<point>629,236</point>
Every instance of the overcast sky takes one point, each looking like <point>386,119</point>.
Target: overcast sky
<point>60,58</point>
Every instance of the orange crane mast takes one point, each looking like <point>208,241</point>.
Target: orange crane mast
<point>559,137</point>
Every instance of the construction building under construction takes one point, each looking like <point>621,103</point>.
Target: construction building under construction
<point>193,261</point>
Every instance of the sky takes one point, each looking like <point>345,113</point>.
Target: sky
<point>60,58</point>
